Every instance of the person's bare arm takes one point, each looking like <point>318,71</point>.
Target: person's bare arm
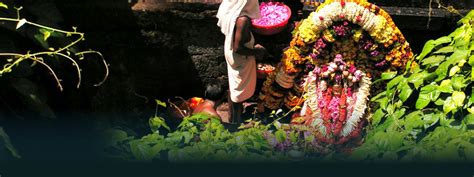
<point>242,36</point>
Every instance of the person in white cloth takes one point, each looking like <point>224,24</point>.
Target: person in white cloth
<point>240,51</point>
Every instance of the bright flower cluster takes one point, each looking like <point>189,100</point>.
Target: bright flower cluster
<point>338,22</point>
<point>335,102</point>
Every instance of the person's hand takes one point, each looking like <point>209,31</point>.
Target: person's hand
<point>261,52</point>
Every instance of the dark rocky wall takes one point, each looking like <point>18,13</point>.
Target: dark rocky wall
<point>152,55</point>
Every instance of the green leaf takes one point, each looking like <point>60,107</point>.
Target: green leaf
<point>442,70</point>
<point>458,55</point>
<point>156,123</point>
<point>458,98</point>
<point>431,119</point>
<point>469,121</point>
<point>417,78</point>
<point>383,102</point>
<point>427,48</point>
<point>399,113</point>
<point>141,151</point>
<point>405,92</point>
<point>442,40</point>
<point>446,86</point>
<point>46,35</point>
<point>388,75</point>
<point>462,41</point>
<point>395,140</point>
<point>458,83</point>
<point>471,60</point>
<point>466,19</point>
<point>52,33</point>
<point>377,116</point>
<point>439,102</point>
<point>447,49</point>
<point>40,39</point>
<point>472,74</point>
<point>432,90</point>
<point>423,101</point>
<point>379,96</point>
<point>471,98</point>
<point>293,137</point>
<point>457,32</point>
<point>434,59</point>
<point>114,136</point>
<point>2,5</point>
<point>280,135</point>
<point>8,144</point>
<point>395,81</point>
<point>206,136</point>
<point>454,70</point>
<point>461,63</point>
<point>160,103</point>
<point>449,105</point>
<point>414,120</point>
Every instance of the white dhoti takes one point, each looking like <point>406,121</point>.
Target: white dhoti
<point>242,73</point>
<point>242,70</point>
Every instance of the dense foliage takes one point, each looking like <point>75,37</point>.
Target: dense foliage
<point>426,113</point>
<point>201,137</point>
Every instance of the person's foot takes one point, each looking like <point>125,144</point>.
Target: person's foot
<point>223,110</point>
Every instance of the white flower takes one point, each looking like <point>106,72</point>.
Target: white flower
<point>359,107</point>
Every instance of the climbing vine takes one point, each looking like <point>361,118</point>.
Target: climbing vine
<point>65,52</point>
<point>11,60</point>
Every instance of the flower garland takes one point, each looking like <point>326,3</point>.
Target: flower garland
<point>359,106</point>
<point>340,33</point>
<point>381,39</point>
<point>330,90</point>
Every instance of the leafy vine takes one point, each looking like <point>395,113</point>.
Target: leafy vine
<point>13,59</point>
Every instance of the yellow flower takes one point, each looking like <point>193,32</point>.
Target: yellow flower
<point>357,35</point>
<point>328,36</point>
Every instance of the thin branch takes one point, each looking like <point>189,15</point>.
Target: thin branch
<point>74,63</point>
<point>35,57</point>
<point>103,61</point>
<point>81,35</point>
<point>52,72</point>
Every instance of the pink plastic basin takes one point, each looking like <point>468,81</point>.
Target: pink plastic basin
<point>275,16</point>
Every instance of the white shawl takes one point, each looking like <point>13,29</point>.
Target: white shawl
<point>229,11</point>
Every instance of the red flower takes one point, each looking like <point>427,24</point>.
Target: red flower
<point>358,18</point>
<point>341,15</point>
